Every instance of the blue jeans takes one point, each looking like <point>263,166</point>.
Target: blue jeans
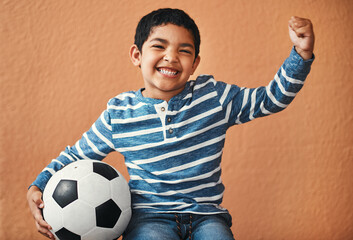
<point>170,226</point>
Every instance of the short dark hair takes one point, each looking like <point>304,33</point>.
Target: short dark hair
<point>164,16</point>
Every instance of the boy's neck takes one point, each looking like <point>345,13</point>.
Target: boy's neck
<point>166,96</point>
<point>163,96</point>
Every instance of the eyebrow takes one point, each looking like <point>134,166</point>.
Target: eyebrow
<point>166,41</point>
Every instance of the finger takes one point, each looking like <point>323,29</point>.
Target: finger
<point>44,231</point>
<point>297,23</point>
<point>301,29</point>
<point>299,19</point>
<point>39,219</point>
<point>36,206</point>
<point>37,199</point>
<point>48,235</point>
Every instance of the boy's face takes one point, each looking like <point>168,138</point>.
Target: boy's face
<point>167,60</point>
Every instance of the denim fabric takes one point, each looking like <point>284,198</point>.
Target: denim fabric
<point>170,226</point>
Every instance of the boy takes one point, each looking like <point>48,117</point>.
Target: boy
<point>172,132</point>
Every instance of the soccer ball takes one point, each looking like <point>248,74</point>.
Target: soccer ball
<point>87,200</point>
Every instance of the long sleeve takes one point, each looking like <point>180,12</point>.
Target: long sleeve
<point>95,144</point>
<point>251,103</point>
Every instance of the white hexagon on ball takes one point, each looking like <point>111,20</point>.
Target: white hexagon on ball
<point>94,189</point>
<point>79,217</point>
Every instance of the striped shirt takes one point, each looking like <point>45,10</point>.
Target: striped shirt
<point>173,149</point>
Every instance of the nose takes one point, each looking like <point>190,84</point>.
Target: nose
<point>171,56</point>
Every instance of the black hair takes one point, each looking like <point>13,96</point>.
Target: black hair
<point>164,16</point>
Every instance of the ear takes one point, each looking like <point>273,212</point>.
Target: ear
<point>195,64</point>
<point>135,55</point>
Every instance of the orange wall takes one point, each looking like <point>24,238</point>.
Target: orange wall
<point>288,176</point>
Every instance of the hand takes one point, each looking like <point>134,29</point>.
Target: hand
<point>302,35</point>
<point>34,198</point>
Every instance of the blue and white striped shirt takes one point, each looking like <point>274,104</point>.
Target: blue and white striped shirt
<point>173,149</point>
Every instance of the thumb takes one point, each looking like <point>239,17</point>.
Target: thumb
<point>38,200</point>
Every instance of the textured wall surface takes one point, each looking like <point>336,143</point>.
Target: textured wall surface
<point>288,176</point>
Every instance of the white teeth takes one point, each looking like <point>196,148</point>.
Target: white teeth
<point>164,71</point>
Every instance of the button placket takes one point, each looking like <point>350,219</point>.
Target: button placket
<point>161,110</point>
<point>170,129</point>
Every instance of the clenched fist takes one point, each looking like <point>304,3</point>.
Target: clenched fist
<point>302,35</point>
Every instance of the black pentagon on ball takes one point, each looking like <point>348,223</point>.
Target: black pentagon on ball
<point>107,214</point>
<point>64,234</point>
<point>65,192</point>
<point>105,170</point>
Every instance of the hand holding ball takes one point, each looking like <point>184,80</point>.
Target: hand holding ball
<point>87,200</point>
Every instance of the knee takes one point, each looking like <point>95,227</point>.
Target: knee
<point>212,227</point>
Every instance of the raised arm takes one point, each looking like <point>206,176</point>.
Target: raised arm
<point>247,104</point>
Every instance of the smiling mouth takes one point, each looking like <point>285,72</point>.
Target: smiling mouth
<point>168,72</point>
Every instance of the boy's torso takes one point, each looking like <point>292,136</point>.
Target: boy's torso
<point>172,150</point>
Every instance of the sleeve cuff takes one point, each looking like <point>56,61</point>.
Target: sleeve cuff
<point>296,66</point>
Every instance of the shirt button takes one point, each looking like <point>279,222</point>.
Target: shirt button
<point>170,130</point>
<point>162,109</point>
<point>169,119</point>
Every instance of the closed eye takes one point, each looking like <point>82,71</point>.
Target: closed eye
<point>158,46</point>
<point>186,51</point>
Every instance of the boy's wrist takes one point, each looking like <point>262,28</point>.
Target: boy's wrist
<point>34,188</point>
<point>31,190</point>
<point>306,55</point>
